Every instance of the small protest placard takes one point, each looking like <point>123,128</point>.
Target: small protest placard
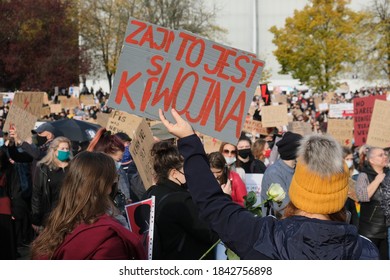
<point>31,102</point>
<point>379,131</point>
<point>140,148</point>
<point>274,116</point>
<point>302,128</point>
<point>69,103</point>
<point>363,108</point>
<point>55,108</point>
<point>341,130</point>
<point>102,118</point>
<point>87,100</point>
<point>141,222</point>
<point>210,144</point>
<point>209,84</point>
<point>251,126</point>
<point>22,120</point>
<point>123,122</point>
<point>341,110</point>
<point>323,106</point>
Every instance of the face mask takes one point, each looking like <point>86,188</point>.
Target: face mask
<point>267,153</point>
<point>41,140</point>
<point>1,142</point>
<point>349,163</point>
<point>230,160</point>
<point>126,155</point>
<point>63,155</point>
<point>244,153</point>
<point>118,165</point>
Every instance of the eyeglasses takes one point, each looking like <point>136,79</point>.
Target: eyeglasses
<point>229,152</point>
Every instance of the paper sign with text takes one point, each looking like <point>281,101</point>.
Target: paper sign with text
<point>274,116</point>
<point>363,108</point>
<point>123,122</point>
<point>32,102</point>
<point>251,126</point>
<point>341,130</point>
<point>379,131</point>
<point>341,110</point>
<point>209,84</point>
<point>140,151</point>
<point>141,222</point>
<point>23,121</point>
<point>253,183</point>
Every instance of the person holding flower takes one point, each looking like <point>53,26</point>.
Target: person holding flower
<point>314,224</point>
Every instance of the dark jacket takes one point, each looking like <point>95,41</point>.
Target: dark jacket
<point>181,234</point>
<point>45,193</point>
<point>105,239</point>
<point>372,221</point>
<point>253,237</point>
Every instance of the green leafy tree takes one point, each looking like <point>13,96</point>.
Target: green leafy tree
<point>375,41</point>
<point>103,24</point>
<point>318,43</point>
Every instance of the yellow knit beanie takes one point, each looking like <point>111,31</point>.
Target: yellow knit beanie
<point>320,181</point>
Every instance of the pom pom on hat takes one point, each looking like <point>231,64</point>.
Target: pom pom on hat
<point>320,181</point>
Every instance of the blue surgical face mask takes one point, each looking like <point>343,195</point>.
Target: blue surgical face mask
<point>63,155</point>
<point>118,165</point>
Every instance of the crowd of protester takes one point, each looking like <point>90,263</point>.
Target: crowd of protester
<point>53,198</point>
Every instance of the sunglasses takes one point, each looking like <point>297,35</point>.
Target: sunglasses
<point>233,152</point>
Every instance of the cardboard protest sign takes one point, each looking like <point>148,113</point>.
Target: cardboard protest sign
<point>123,122</point>
<point>32,102</point>
<point>302,128</point>
<point>102,118</point>
<point>274,116</point>
<point>22,120</point>
<point>69,103</point>
<point>210,144</point>
<point>87,100</point>
<point>141,222</point>
<point>140,147</point>
<point>55,108</point>
<point>379,131</point>
<point>341,130</point>
<point>340,110</point>
<point>328,97</point>
<point>280,98</point>
<point>251,126</point>
<point>209,84</point>
<point>317,101</point>
<point>363,108</point>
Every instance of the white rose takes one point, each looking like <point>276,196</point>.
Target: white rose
<point>276,193</point>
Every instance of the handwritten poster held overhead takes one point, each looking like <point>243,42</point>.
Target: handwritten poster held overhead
<point>363,108</point>
<point>209,84</point>
<point>379,132</point>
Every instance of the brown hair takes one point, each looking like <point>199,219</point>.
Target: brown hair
<point>106,142</point>
<point>291,210</point>
<point>217,161</point>
<point>84,196</point>
<point>166,157</point>
<point>258,149</point>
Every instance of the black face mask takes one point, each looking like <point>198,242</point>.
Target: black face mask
<point>244,153</point>
<point>38,140</point>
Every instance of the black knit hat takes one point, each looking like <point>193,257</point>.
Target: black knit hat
<point>288,145</point>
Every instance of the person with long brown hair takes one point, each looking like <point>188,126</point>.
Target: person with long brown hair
<point>318,191</point>
<point>81,226</point>
<point>112,145</point>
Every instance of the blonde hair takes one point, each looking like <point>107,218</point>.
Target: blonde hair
<point>50,158</point>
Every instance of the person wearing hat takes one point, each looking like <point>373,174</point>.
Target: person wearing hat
<point>282,171</point>
<point>314,226</point>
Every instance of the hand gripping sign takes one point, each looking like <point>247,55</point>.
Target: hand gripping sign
<point>209,84</point>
